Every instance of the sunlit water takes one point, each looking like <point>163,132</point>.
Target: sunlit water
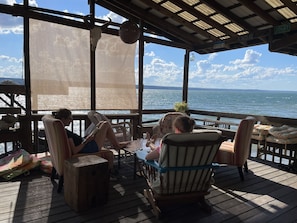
<point>269,103</point>
<point>253,102</point>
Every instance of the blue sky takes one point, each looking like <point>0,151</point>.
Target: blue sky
<point>247,68</point>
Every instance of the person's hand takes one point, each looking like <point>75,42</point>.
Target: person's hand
<point>89,138</point>
<point>150,140</point>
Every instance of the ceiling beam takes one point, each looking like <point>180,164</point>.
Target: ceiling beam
<point>258,11</point>
<point>256,38</point>
<point>179,20</point>
<point>20,10</point>
<point>224,11</point>
<point>276,45</point>
<point>205,18</point>
<point>291,5</point>
<point>165,27</point>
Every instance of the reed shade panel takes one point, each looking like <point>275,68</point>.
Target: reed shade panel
<point>60,69</point>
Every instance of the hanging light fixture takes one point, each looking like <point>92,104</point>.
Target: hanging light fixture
<point>129,32</point>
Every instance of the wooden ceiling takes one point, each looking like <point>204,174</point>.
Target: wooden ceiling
<point>207,26</point>
<point>203,26</point>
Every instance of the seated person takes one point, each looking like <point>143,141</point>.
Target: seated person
<point>182,124</point>
<point>93,142</point>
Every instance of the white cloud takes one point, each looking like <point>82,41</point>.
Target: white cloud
<point>10,24</point>
<point>10,59</point>
<point>33,3</point>
<point>7,2</point>
<point>250,57</point>
<point>11,71</point>
<point>212,56</point>
<point>162,73</point>
<point>11,2</point>
<point>240,73</point>
<point>11,66</point>
<point>150,54</point>
<point>113,16</point>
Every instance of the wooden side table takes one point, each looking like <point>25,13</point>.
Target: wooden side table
<point>86,182</point>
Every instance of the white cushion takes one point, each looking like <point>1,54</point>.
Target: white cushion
<point>284,132</point>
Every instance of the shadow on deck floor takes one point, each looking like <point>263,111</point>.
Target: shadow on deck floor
<point>267,195</point>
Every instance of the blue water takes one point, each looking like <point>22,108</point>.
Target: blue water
<point>253,102</point>
<point>250,102</point>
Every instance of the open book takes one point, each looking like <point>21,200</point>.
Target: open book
<point>93,133</point>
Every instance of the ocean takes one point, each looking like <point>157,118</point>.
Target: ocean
<point>252,102</point>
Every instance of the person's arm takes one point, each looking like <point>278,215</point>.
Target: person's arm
<point>76,143</point>
<point>151,142</point>
<point>78,148</point>
<point>154,154</point>
<point>152,145</point>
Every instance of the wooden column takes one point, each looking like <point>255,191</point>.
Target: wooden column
<point>186,76</point>
<point>92,58</point>
<point>140,76</point>
<point>26,127</point>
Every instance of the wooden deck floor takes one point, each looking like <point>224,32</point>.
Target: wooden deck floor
<point>268,194</point>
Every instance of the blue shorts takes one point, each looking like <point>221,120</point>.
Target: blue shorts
<point>90,147</point>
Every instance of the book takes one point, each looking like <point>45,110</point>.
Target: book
<point>93,133</point>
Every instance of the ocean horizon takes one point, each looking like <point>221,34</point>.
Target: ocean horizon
<point>249,102</point>
<point>242,101</point>
<point>21,81</point>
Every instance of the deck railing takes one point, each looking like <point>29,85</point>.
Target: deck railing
<point>32,136</point>
<point>32,129</point>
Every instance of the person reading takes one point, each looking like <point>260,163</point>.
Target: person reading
<point>93,142</point>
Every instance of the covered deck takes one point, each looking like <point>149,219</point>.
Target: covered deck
<point>267,195</point>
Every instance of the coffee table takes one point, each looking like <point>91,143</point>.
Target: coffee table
<point>136,145</point>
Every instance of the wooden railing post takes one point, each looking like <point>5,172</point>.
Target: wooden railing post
<point>26,133</point>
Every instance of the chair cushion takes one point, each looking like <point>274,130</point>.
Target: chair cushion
<point>14,160</point>
<point>261,130</point>
<point>57,142</point>
<point>284,132</point>
<point>226,153</point>
<point>281,141</point>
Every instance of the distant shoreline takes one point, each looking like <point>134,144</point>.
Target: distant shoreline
<point>206,89</point>
<point>20,81</point>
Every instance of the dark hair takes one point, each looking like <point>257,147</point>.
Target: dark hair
<point>62,113</point>
<point>184,123</point>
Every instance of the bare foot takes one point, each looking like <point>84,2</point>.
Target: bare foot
<point>124,144</point>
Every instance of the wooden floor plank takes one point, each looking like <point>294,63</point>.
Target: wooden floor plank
<point>267,194</point>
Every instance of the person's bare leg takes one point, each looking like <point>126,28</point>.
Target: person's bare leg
<point>112,138</point>
<point>106,132</point>
<point>108,155</point>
